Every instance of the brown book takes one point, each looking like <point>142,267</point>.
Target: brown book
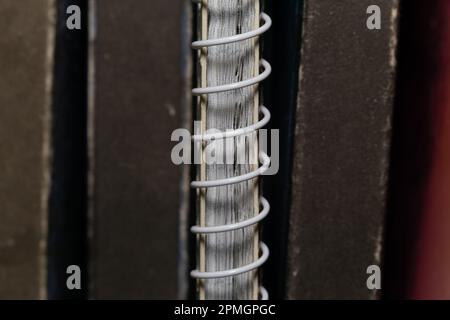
<point>341,149</point>
<point>26,61</point>
<point>139,59</point>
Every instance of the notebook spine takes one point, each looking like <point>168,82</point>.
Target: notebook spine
<point>263,157</point>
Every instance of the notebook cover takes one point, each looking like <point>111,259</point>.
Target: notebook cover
<point>138,75</point>
<point>341,149</point>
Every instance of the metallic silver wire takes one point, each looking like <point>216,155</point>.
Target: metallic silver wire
<point>236,85</point>
<point>237,132</point>
<point>236,38</point>
<point>236,271</point>
<point>264,159</point>
<point>264,294</point>
<point>235,226</point>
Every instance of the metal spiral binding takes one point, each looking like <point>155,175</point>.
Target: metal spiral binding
<point>263,157</point>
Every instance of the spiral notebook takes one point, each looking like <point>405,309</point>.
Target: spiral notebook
<point>229,203</point>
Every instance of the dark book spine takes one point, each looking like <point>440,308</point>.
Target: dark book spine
<point>137,98</point>
<point>341,148</point>
<point>26,79</point>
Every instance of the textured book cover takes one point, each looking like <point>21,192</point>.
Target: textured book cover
<point>136,93</point>
<point>26,77</point>
<point>341,149</point>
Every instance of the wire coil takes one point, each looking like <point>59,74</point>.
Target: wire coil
<point>263,157</point>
